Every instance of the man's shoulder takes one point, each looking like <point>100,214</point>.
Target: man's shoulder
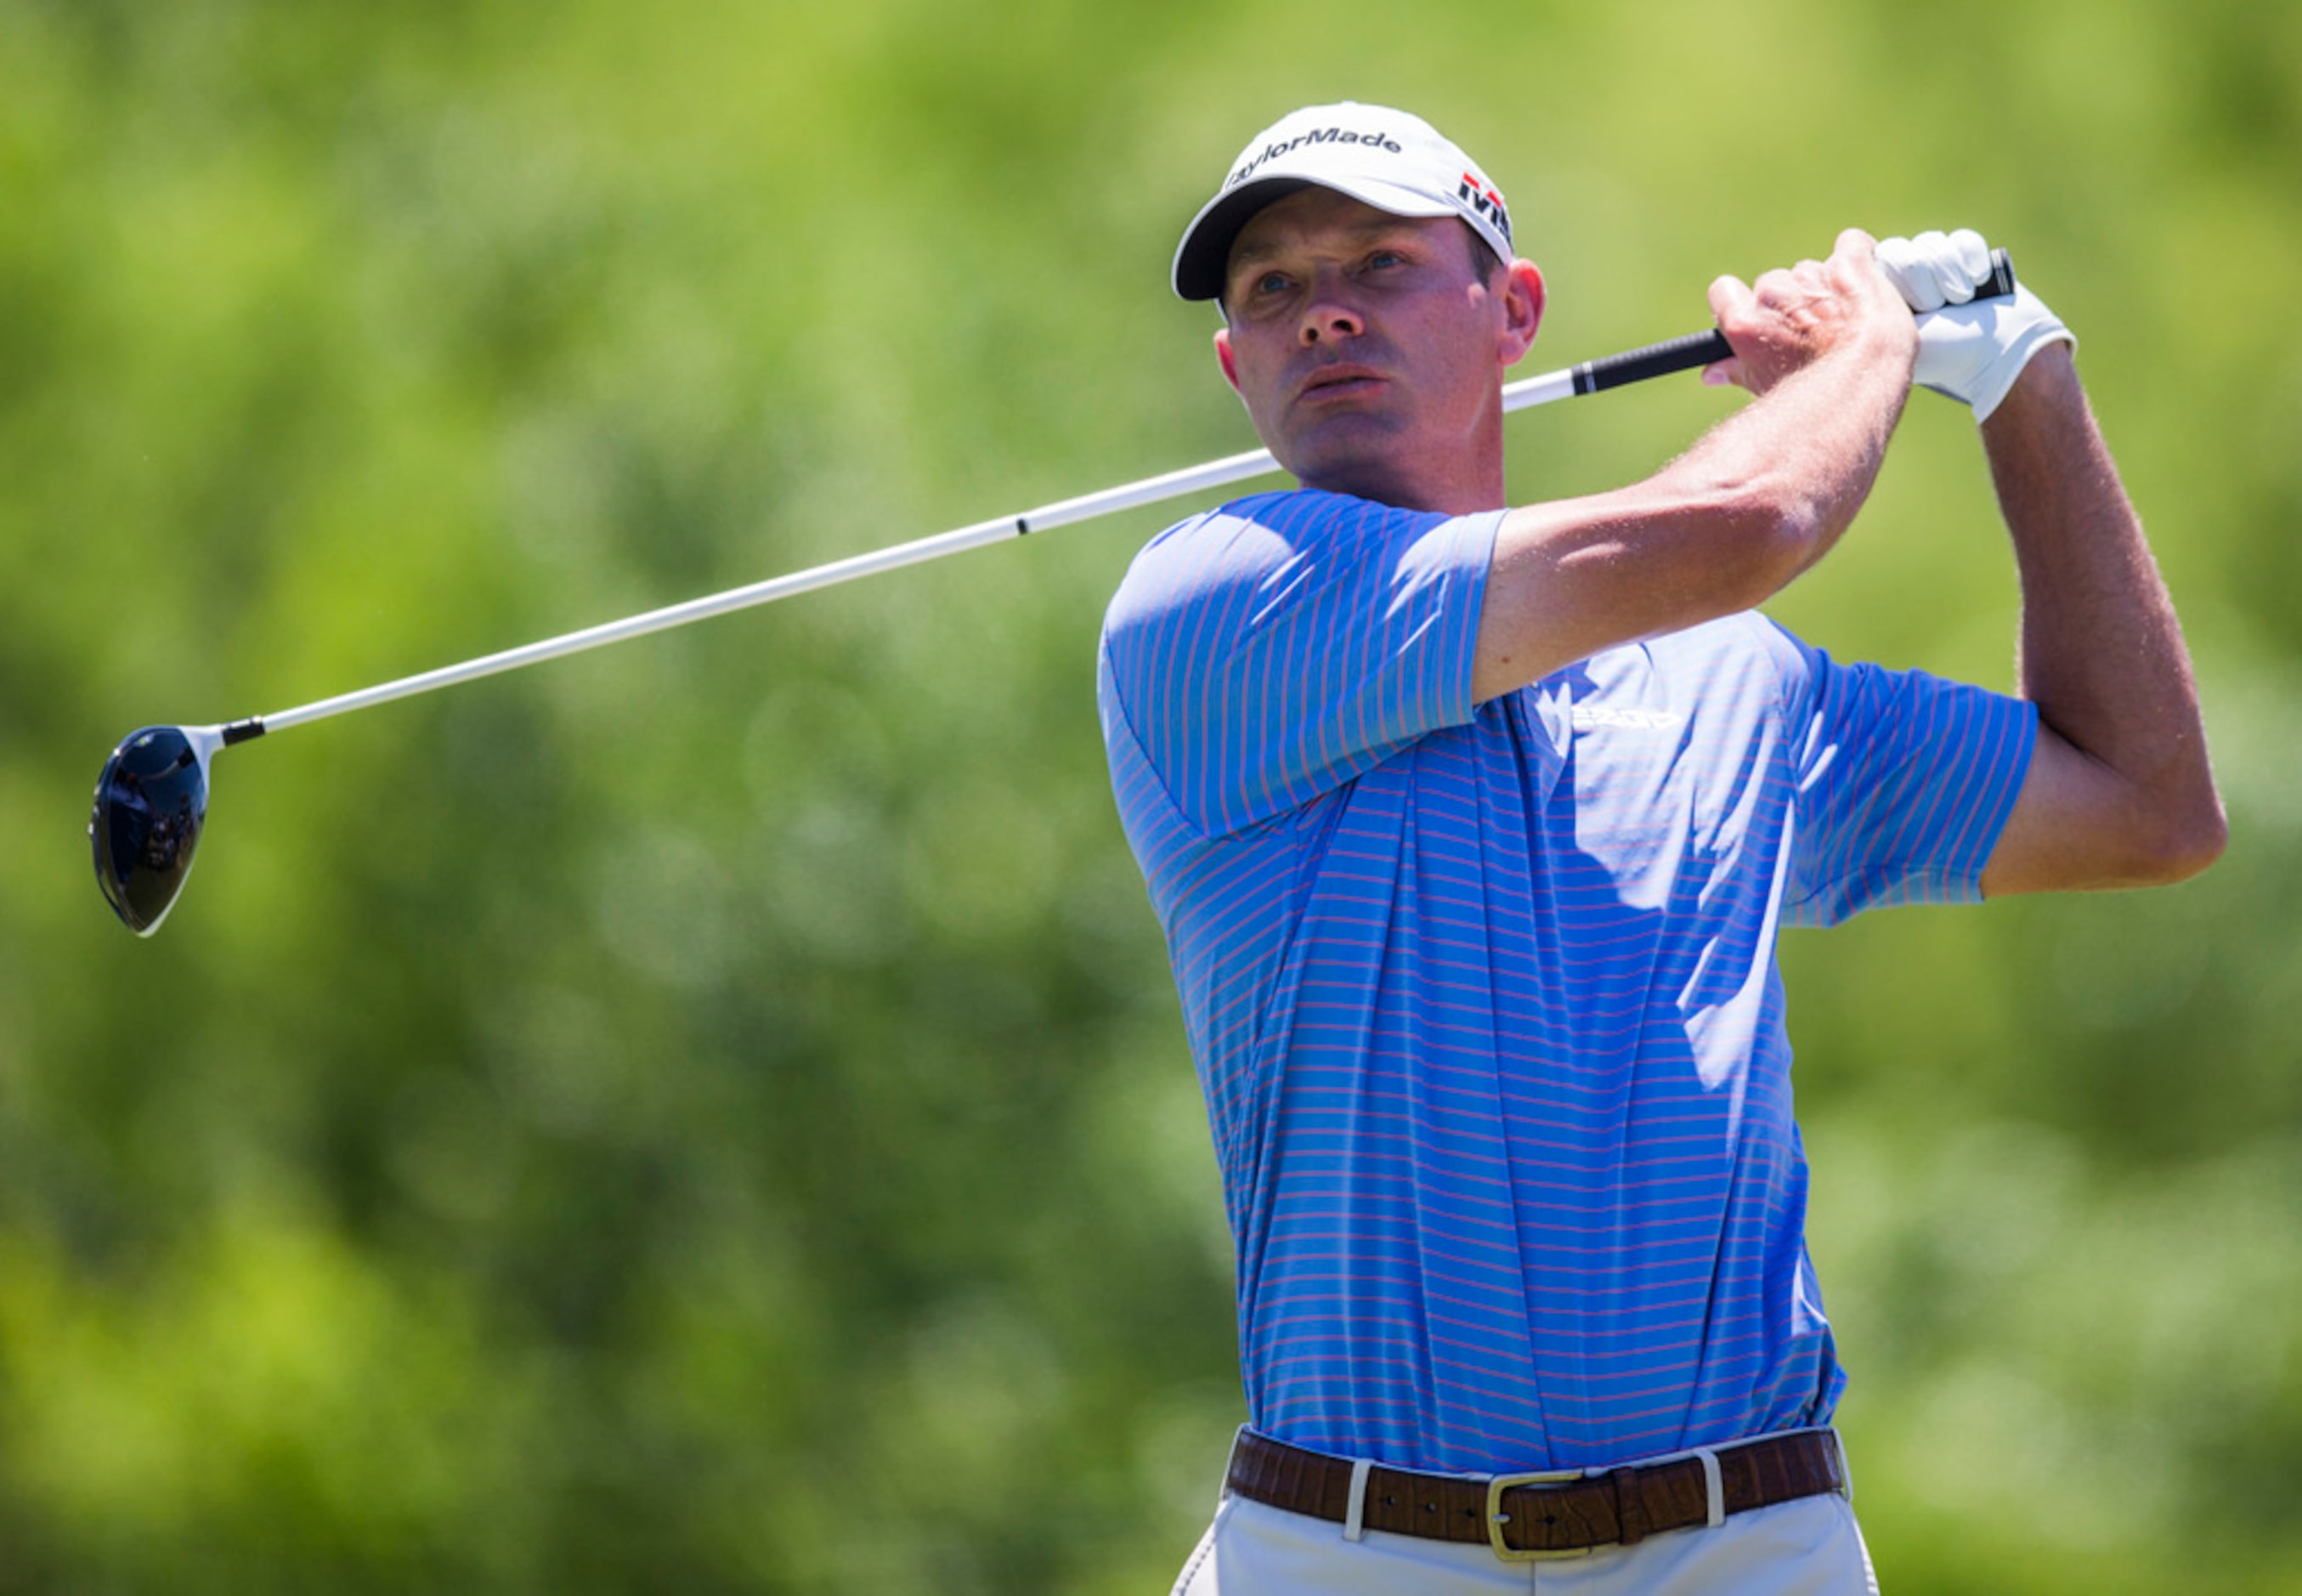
<point>1290,513</point>
<point>1245,542</point>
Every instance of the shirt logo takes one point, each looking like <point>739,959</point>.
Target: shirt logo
<point>1588,718</point>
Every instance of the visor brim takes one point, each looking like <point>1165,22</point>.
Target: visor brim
<point>1203,258</point>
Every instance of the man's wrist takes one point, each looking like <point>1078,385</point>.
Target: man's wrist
<point>1872,357</point>
<point>1895,346</point>
<point>2048,386</point>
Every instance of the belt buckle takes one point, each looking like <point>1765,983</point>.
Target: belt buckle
<point>1497,1518</point>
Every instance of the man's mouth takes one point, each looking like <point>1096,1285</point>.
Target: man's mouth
<point>1339,383</point>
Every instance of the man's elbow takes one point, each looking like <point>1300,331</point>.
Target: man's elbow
<point>2199,843</point>
<point>2080,826</point>
<point>2181,841</point>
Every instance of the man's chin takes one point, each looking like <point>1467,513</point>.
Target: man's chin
<point>1354,449</point>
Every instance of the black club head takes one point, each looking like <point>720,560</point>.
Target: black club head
<point>151,802</point>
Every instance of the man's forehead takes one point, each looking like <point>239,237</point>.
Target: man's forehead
<point>1323,214</point>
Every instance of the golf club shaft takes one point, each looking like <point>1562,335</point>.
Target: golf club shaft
<point>1592,377</point>
<point>1151,490</point>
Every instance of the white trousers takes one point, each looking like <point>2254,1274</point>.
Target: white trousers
<point>1810,1547</point>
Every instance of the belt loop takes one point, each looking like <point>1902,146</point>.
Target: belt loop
<point>1714,1487</point>
<point>1231,1462</point>
<point>1845,1469</point>
<point>1355,1520</point>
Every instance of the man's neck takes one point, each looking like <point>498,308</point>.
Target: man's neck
<point>1477,487</point>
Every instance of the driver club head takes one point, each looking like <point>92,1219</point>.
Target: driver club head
<point>151,802</point>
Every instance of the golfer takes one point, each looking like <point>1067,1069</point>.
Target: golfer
<point>1471,828</point>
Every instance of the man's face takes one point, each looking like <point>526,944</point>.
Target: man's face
<point>1370,347</point>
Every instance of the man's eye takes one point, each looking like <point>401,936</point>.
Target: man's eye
<point>1386,257</point>
<point>1271,282</point>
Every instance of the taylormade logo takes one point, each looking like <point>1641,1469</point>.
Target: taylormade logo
<point>1272,152</point>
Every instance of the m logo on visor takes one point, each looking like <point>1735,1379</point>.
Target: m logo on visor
<point>1485,201</point>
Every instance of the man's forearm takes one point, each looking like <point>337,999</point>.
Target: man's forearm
<point>1828,346</point>
<point>1722,528</point>
<point>1811,448</point>
<point>2101,651</point>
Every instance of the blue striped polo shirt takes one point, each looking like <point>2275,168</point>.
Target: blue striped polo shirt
<point>1482,997</point>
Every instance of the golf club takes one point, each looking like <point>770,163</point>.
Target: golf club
<point>152,798</point>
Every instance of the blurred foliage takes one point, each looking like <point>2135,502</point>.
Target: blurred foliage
<point>712,1116</point>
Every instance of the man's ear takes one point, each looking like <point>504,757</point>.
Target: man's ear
<point>1225,358</point>
<point>1522,302</point>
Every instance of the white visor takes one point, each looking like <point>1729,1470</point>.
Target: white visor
<point>1384,158</point>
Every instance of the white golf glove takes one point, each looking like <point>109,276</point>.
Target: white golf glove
<point>1971,350</point>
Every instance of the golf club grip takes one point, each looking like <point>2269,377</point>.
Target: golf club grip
<point>1655,360</point>
<point>1703,349</point>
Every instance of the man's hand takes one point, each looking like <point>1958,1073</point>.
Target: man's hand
<point>1970,350</point>
<point>1790,319</point>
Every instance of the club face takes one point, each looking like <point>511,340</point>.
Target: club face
<point>151,802</point>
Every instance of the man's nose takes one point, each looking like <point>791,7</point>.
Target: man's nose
<point>1330,315</point>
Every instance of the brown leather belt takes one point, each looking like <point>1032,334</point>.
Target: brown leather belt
<point>1563,1515</point>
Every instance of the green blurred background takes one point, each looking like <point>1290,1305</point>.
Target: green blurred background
<point>712,1116</point>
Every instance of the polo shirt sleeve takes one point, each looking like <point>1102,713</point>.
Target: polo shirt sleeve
<point>1903,782</point>
<point>1269,652</point>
